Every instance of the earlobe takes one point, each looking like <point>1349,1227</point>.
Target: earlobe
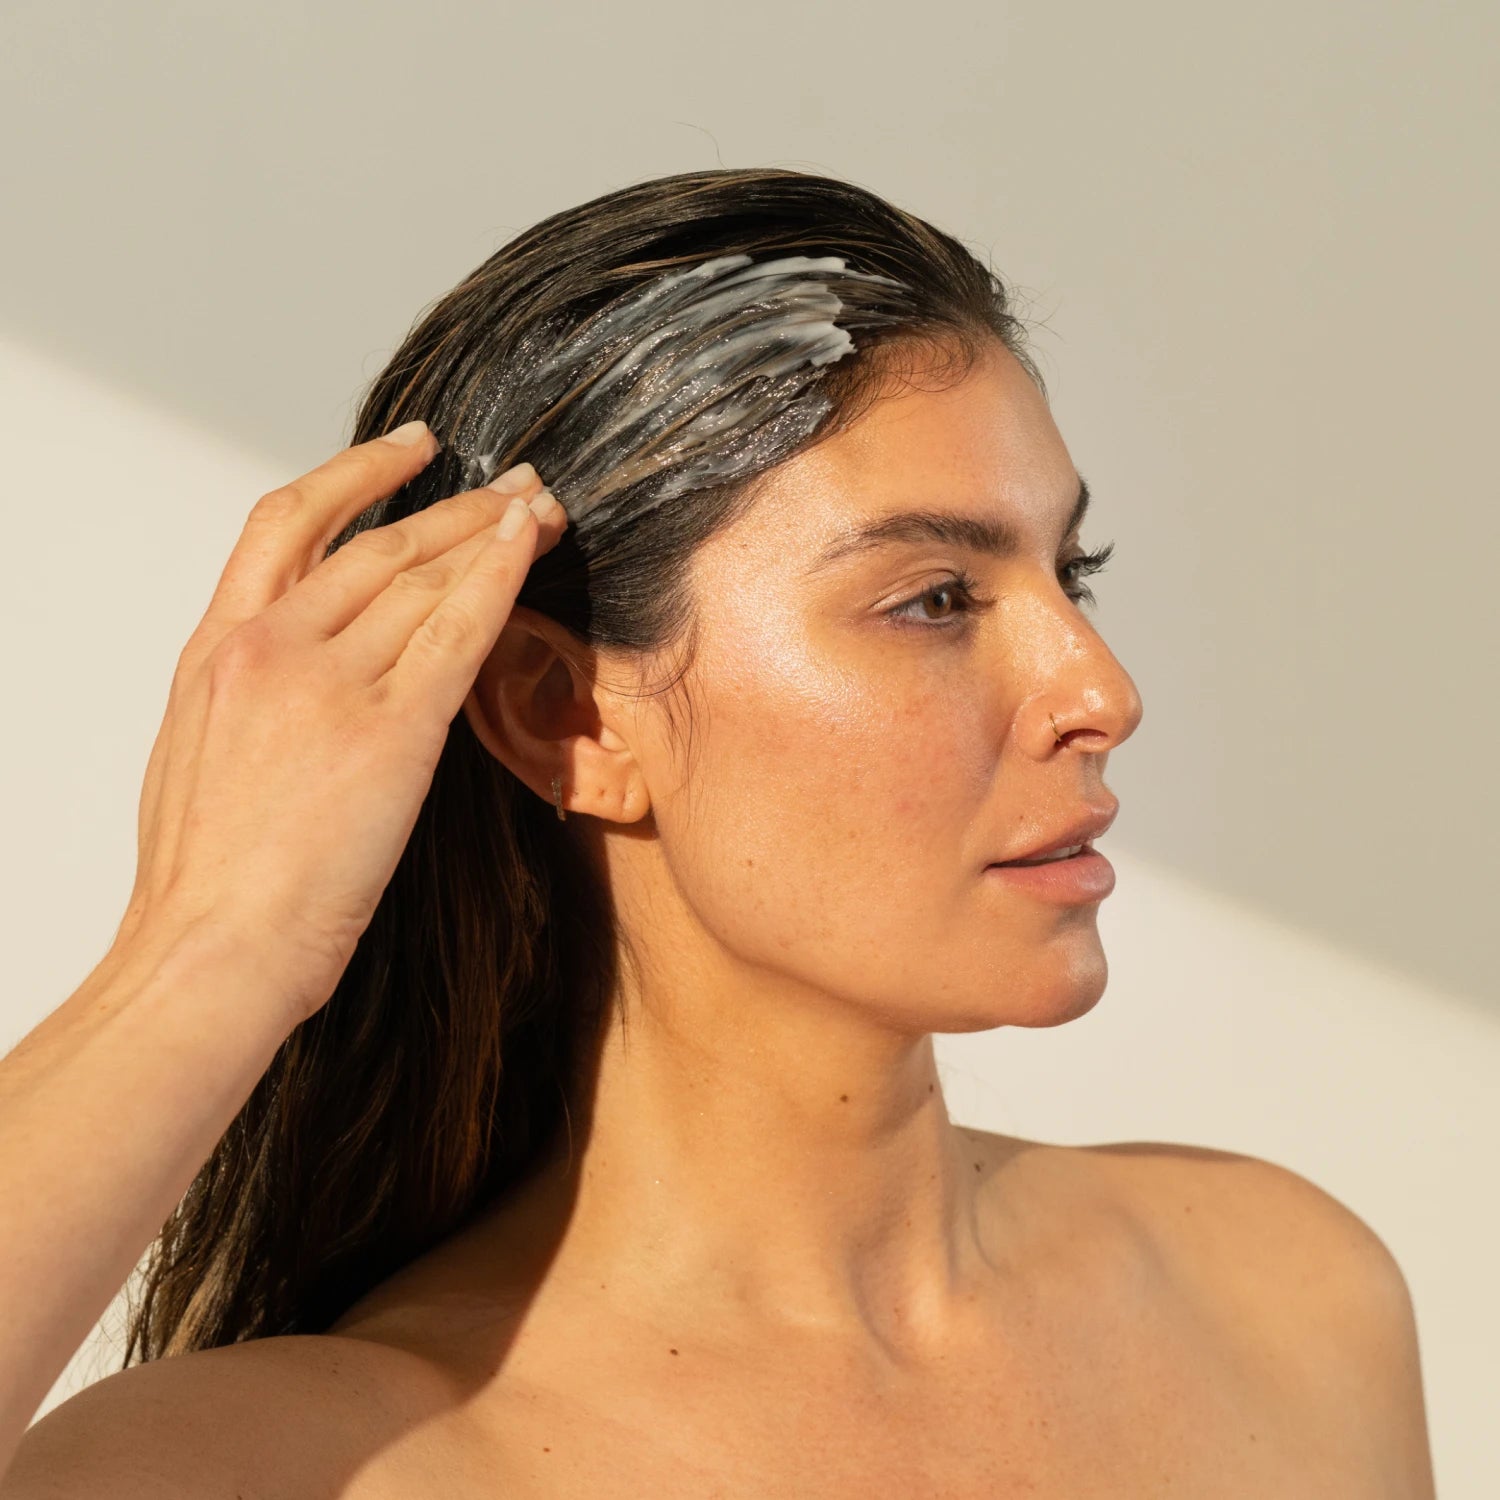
<point>635,799</point>
<point>632,805</point>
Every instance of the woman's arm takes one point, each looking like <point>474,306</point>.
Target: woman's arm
<point>1378,1365</point>
<point>303,726</point>
<point>107,1110</point>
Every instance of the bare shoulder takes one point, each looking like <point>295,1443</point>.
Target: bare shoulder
<point>1250,1209</point>
<point>1297,1277</point>
<point>313,1414</point>
<point>1251,1225</point>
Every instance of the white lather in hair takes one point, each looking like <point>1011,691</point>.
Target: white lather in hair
<point>703,372</point>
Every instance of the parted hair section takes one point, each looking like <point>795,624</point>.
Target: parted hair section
<point>651,352</point>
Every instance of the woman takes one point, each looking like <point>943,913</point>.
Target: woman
<point>523,1014</point>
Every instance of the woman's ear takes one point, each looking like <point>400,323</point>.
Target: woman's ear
<point>537,707</point>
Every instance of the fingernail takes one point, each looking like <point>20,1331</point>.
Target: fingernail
<point>409,434</point>
<point>513,519</point>
<point>512,480</point>
<point>547,507</point>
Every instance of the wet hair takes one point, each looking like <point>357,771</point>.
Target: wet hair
<point>652,352</point>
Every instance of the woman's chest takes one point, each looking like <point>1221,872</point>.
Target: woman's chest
<point>1101,1366</point>
<point>1148,1410</point>
<point>1178,1444</point>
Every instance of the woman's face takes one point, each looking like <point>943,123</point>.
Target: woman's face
<point>866,738</point>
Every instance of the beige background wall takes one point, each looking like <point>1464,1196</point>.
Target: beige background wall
<point>1260,243</point>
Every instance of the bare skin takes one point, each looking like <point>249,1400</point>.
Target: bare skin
<point>1175,1321</point>
<point>766,1139</point>
<point>1124,1347</point>
<point>765,1262</point>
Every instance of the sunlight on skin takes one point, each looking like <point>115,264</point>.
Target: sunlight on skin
<point>810,903</point>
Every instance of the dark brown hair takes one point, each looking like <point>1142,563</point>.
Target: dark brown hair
<point>444,1062</point>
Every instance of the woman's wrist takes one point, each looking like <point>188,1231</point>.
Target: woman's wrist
<point>225,959</point>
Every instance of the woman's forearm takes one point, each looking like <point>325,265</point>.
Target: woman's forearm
<point>107,1110</point>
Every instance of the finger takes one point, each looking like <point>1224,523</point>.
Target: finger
<point>341,588</point>
<point>289,528</point>
<point>490,568</point>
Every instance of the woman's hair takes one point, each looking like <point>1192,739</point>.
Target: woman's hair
<point>625,350</point>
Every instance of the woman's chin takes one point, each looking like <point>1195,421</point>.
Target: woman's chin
<point>1033,1001</point>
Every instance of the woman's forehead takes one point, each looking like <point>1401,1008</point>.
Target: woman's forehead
<point>986,443</point>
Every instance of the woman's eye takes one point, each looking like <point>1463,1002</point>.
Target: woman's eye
<point>954,598</point>
<point>951,596</point>
<point>1081,567</point>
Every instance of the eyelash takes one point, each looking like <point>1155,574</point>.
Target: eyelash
<point>1082,566</point>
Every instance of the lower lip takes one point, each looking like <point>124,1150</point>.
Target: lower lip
<point>1083,877</point>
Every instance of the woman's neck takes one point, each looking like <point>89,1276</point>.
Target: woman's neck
<point>767,1161</point>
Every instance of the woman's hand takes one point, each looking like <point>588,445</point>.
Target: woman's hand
<point>309,707</point>
<point>301,733</point>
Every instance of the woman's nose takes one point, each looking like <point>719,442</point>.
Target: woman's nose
<point>1073,680</point>
<point>1094,703</point>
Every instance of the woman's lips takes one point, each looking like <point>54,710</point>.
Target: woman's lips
<point>1086,876</point>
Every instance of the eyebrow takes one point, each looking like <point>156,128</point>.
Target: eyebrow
<point>995,537</point>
